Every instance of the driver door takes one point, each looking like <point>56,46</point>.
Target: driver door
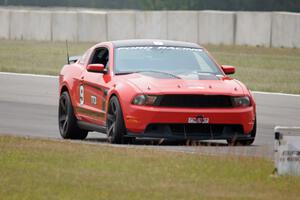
<point>93,89</point>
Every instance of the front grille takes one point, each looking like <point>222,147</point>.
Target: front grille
<point>195,101</point>
<point>204,129</point>
<point>195,130</point>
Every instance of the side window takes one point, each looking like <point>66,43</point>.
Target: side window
<point>101,56</point>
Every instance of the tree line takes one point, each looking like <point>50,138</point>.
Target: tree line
<point>234,5</point>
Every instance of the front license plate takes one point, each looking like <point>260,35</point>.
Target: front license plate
<point>198,120</point>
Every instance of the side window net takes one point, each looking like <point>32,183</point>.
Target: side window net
<point>101,57</point>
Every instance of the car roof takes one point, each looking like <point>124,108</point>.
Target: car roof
<point>153,42</point>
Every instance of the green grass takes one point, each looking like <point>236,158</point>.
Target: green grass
<point>41,169</point>
<point>36,57</point>
<point>264,69</point>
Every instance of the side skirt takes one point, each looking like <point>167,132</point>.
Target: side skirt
<point>91,127</point>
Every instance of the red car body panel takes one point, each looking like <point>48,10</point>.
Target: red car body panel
<point>126,87</point>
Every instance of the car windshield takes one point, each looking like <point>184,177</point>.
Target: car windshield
<point>181,62</point>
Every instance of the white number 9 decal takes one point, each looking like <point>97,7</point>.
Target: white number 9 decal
<point>81,94</point>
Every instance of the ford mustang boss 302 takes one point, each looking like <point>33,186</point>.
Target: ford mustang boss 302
<point>154,89</point>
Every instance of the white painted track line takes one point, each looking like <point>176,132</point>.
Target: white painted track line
<point>33,75</point>
<point>51,76</point>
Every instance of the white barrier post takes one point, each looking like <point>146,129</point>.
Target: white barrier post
<point>287,150</point>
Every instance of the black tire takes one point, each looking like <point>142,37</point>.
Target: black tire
<point>67,121</point>
<point>116,129</point>
<point>244,142</point>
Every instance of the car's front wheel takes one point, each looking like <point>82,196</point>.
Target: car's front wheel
<point>67,120</point>
<point>116,129</point>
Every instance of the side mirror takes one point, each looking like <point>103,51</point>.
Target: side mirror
<point>228,69</point>
<point>73,59</point>
<point>96,68</point>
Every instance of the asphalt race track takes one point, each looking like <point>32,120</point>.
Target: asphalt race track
<point>29,104</point>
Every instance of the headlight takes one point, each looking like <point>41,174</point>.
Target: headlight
<point>241,101</point>
<point>143,99</point>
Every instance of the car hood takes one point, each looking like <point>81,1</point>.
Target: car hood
<point>151,85</point>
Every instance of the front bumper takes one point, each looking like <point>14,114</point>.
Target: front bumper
<point>172,123</point>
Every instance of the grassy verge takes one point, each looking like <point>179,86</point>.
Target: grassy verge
<point>265,69</point>
<point>40,169</point>
<point>36,57</point>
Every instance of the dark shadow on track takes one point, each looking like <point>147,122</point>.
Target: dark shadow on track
<point>157,142</point>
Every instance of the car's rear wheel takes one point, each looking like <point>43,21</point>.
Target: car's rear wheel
<point>67,121</point>
<point>116,129</point>
<point>244,142</point>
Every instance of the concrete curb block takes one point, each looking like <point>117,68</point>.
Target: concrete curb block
<point>4,23</point>
<point>92,26</point>
<point>183,26</point>
<point>151,25</point>
<point>268,29</point>
<point>38,26</point>
<point>120,25</point>
<point>286,30</point>
<point>253,28</point>
<point>216,27</point>
<point>64,26</point>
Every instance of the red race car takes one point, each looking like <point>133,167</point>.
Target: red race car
<point>154,89</point>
